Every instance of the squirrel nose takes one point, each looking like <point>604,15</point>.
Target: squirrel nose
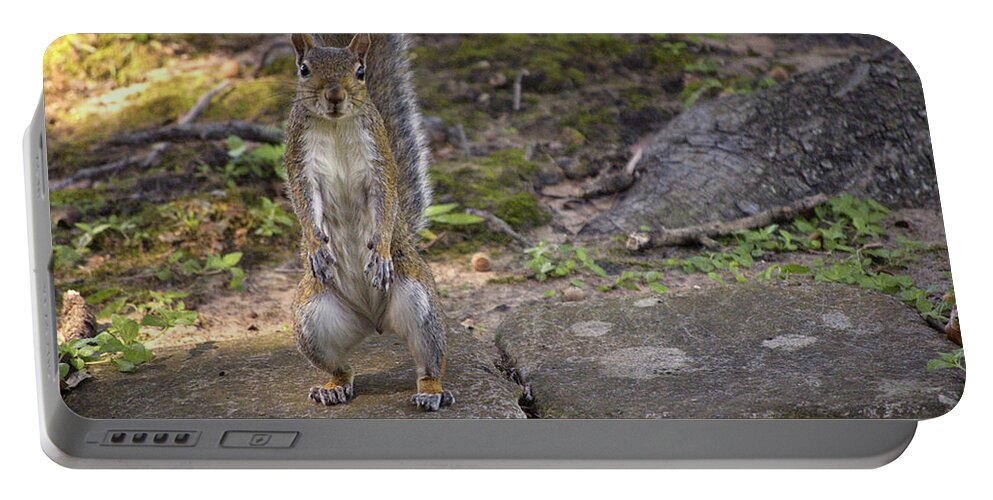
<point>333,95</point>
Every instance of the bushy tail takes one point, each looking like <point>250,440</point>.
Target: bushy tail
<point>391,90</point>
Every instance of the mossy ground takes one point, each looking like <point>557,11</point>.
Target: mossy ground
<point>585,100</point>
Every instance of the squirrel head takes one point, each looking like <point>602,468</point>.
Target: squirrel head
<point>331,81</point>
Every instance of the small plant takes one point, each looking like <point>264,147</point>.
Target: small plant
<point>188,216</point>
<point>127,229</point>
<point>216,264</point>
<point>445,214</point>
<point>117,345</point>
<point>271,218</point>
<point>165,311</point>
<point>945,360</point>
<point>262,162</point>
<point>632,280</point>
<point>783,271</point>
<point>556,261</point>
<point>65,256</point>
<point>90,233</point>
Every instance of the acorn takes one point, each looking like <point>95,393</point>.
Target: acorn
<point>480,262</point>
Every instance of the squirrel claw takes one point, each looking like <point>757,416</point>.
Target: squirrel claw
<point>432,401</point>
<point>321,264</point>
<point>383,272</point>
<point>338,394</point>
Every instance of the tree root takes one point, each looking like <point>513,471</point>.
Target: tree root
<point>152,157</point>
<point>704,233</point>
<point>202,132</point>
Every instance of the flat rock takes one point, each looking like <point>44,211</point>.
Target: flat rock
<point>737,351</point>
<point>266,377</point>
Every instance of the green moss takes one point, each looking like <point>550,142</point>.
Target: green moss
<point>123,59</point>
<point>495,183</point>
<point>600,123</point>
<point>555,61</point>
<point>164,101</point>
<point>519,210</point>
<point>510,165</point>
<point>137,107</point>
<point>266,98</point>
<point>86,200</point>
<point>281,66</point>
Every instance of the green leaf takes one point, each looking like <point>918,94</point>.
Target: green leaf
<point>436,210</point>
<point>103,295</point>
<point>137,354</point>
<point>154,321</point>
<point>123,365</point>
<point>457,219</point>
<point>63,370</point>
<point>112,307</point>
<point>237,276</point>
<point>427,234</point>
<point>658,288</point>
<point>716,277</point>
<point>231,259</point>
<point>236,146</point>
<point>125,328</point>
<point>796,269</point>
<point>109,343</point>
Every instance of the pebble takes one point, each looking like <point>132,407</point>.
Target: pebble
<point>574,294</point>
<point>779,74</point>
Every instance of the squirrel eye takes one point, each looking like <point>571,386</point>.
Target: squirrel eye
<point>360,73</point>
<point>304,70</point>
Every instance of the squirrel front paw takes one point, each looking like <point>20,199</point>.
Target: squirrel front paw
<point>322,262</point>
<point>381,266</point>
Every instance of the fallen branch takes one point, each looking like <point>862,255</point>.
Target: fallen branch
<point>517,88</point>
<point>633,162</point>
<point>499,225</point>
<point>463,140</point>
<point>201,104</point>
<point>202,132</point>
<point>149,159</point>
<point>427,245</point>
<point>273,47</point>
<point>704,234</point>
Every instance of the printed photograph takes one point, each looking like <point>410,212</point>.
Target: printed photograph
<point>582,226</point>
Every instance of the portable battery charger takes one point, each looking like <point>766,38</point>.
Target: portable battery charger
<point>572,250</point>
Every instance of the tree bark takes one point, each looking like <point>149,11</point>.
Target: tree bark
<point>858,127</point>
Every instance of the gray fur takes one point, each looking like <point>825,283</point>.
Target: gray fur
<point>388,75</point>
<point>412,314</point>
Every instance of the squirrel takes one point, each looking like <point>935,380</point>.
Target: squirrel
<point>356,160</point>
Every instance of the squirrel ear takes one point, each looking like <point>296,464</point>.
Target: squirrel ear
<point>360,45</point>
<point>301,44</point>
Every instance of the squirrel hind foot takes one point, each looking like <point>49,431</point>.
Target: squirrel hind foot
<point>432,401</point>
<point>333,395</point>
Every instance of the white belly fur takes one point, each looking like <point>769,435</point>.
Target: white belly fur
<point>338,164</point>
